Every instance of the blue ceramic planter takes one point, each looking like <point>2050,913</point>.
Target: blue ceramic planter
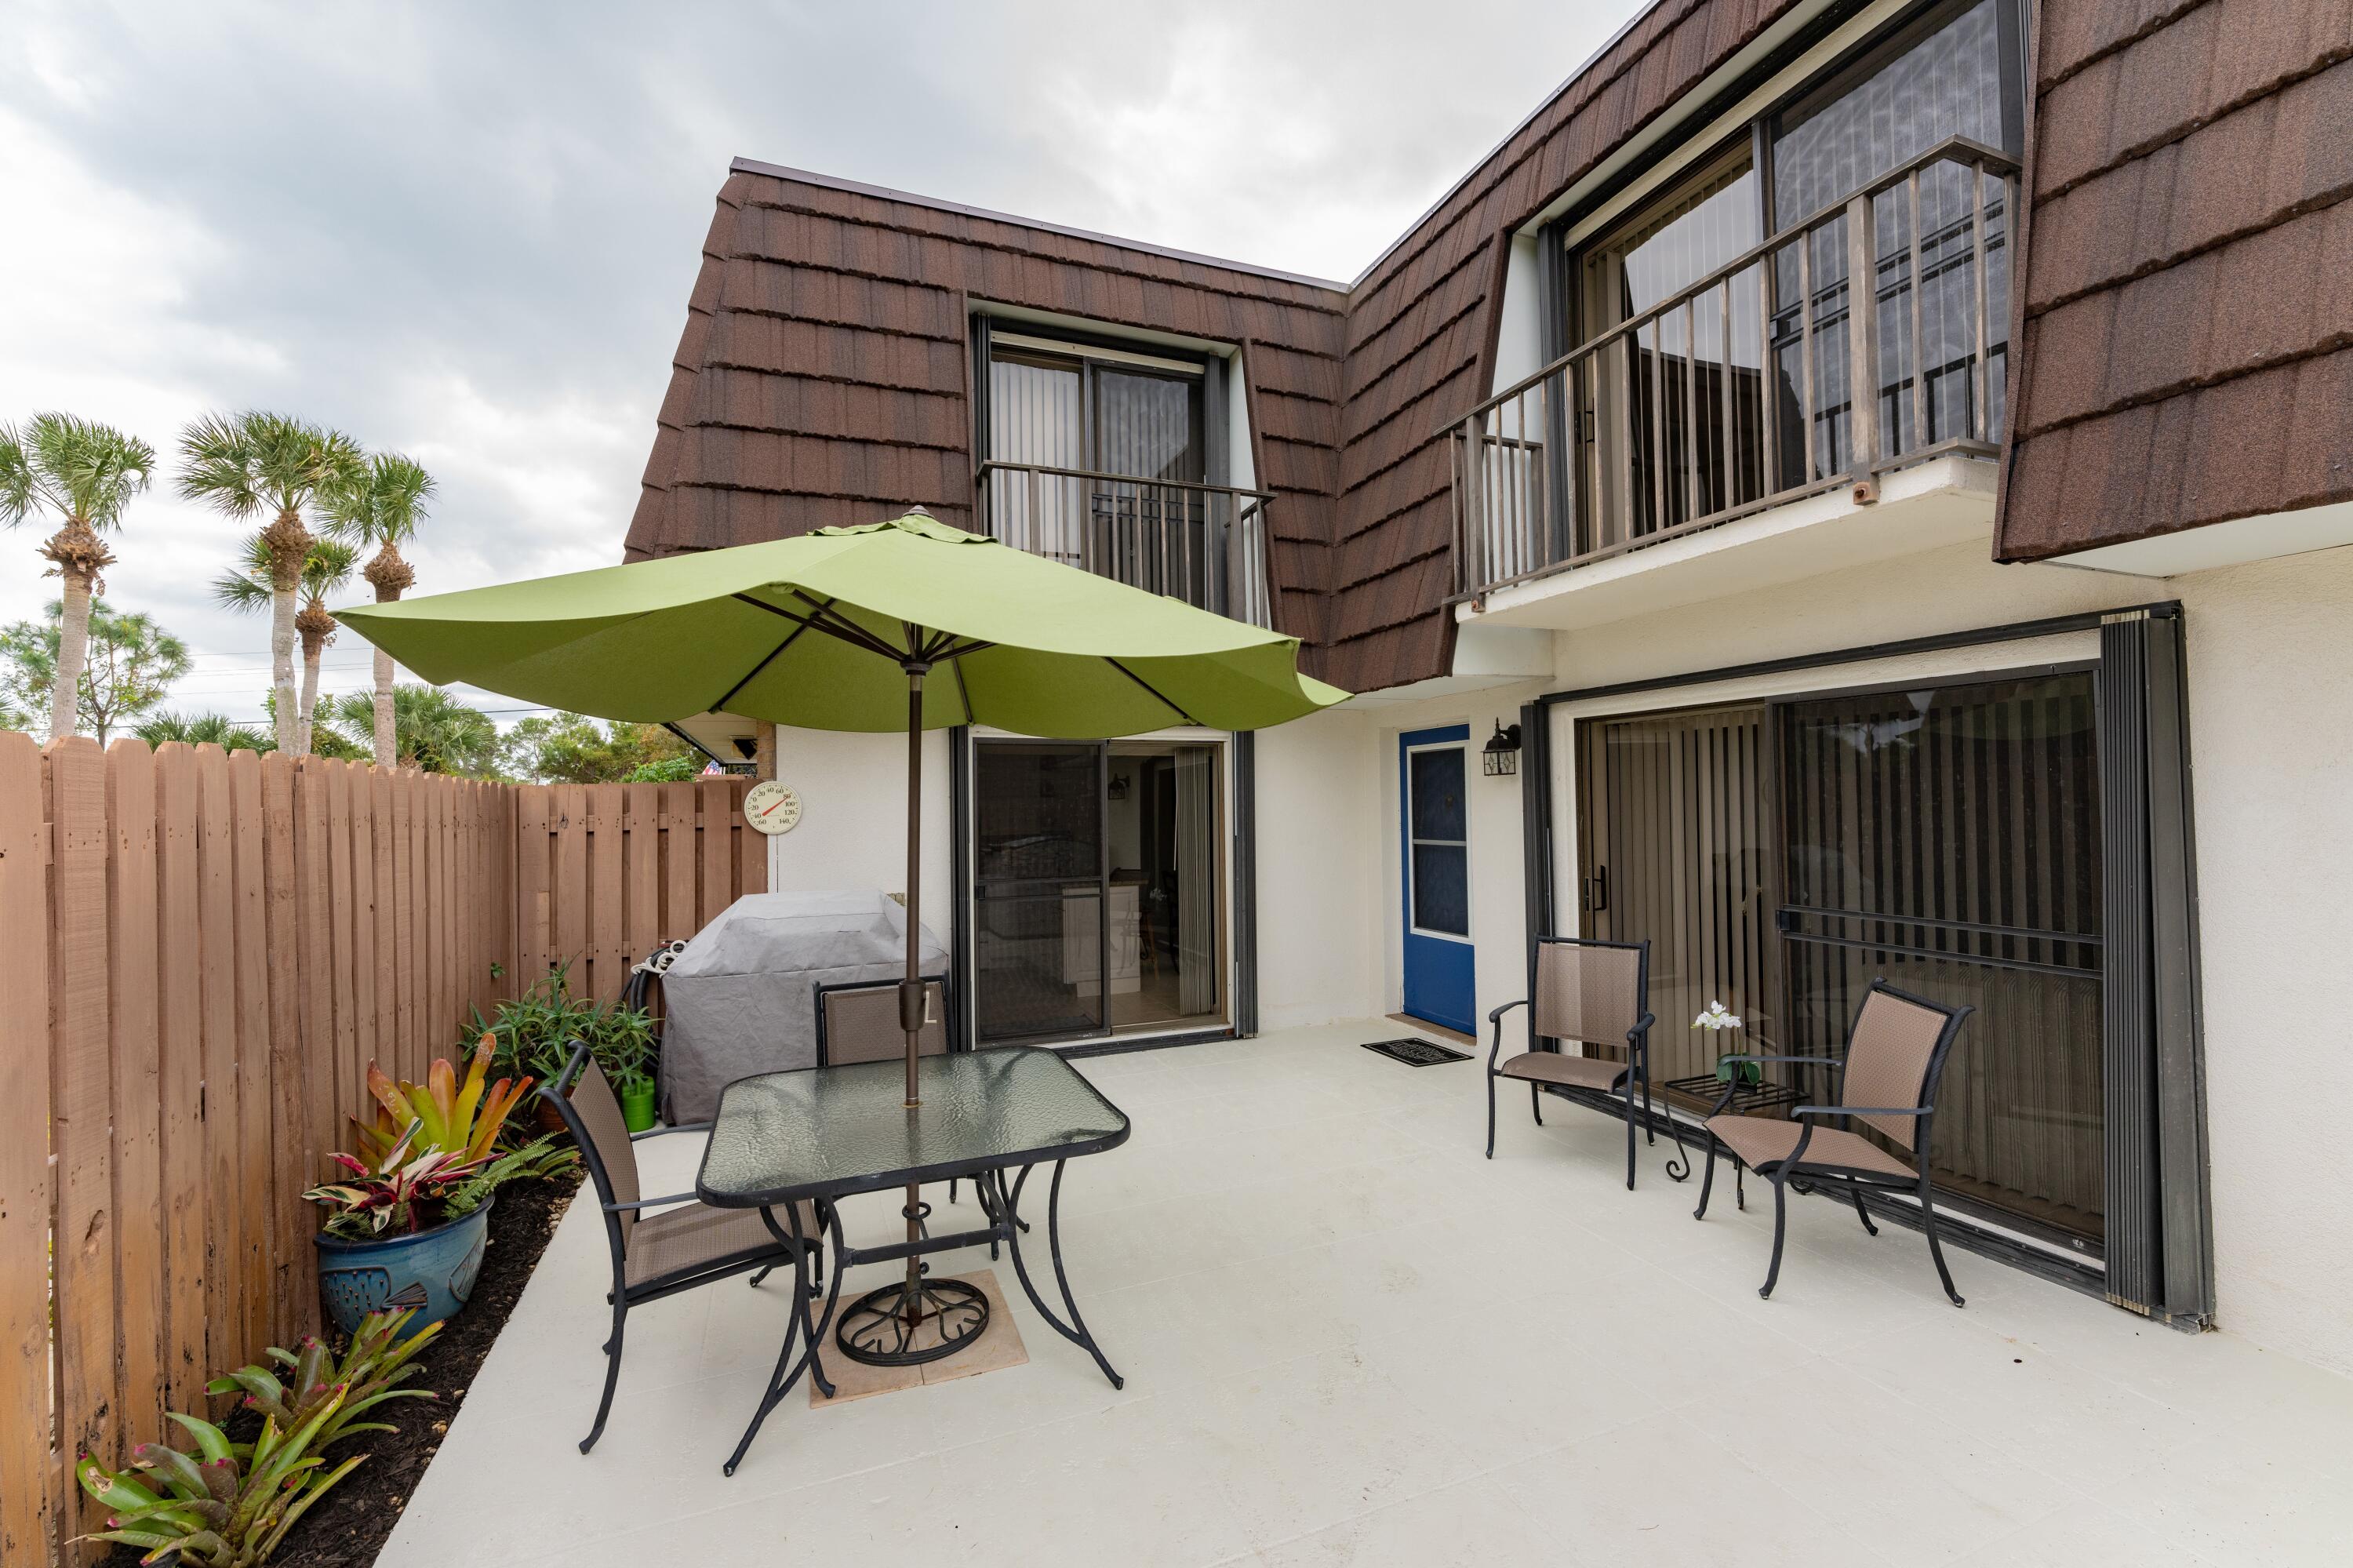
<point>432,1272</point>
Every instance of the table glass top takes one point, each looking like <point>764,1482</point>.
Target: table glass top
<point>825,1131</point>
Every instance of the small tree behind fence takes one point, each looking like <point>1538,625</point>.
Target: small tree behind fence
<point>205,951</point>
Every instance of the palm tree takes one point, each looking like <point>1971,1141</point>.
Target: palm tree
<point>383,507</point>
<point>84,473</point>
<point>198,728</point>
<point>436,732</point>
<point>328,567</point>
<point>248,463</point>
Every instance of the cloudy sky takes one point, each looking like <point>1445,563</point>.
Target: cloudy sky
<point>468,231</point>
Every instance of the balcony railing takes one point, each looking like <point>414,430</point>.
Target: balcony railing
<point>1205,544</point>
<point>1734,394</point>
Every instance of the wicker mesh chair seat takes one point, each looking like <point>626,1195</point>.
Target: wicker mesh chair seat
<point>696,1235</point>
<point>1762,1140</point>
<point>1586,993</point>
<point>1560,1068</point>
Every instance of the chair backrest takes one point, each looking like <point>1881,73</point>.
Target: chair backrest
<point>1895,1056</point>
<point>859,1022</point>
<point>1590,992</point>
<point>598,1126</point>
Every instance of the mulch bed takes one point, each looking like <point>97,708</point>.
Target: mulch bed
<point>348,1527</point>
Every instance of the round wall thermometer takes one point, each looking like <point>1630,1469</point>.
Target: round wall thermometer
<point>772,807</point>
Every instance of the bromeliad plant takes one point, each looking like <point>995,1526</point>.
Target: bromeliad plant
<point>313,1380</point>
<point>397,1194</point>
<point>226,1506</point>
<point>442,1114</point>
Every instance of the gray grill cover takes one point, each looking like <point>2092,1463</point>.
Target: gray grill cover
<point>741,999</point>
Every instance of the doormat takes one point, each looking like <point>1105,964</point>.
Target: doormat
<point>1416,1052</point>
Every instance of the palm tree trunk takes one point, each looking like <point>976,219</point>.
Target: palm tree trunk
<point>385,754</point>
<point>313,647</point>
<point>73,652</point>
<point>289,545</point>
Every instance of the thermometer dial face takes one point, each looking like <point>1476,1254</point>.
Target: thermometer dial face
<point>771,807</point>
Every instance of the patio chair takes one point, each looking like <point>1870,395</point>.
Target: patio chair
<point>1595,993</point>
<point>857,1021</point>
<point>688,1244</point>
<point>1894,1058</point>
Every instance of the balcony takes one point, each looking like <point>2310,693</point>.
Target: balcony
<point>1205,544</point>
<point>1735,395</point>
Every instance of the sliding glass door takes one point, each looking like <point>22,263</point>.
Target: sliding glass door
<point>1779,856</point>
<point>1099,879</point>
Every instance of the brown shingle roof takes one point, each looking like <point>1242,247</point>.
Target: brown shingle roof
<point>2187,306</point>
<point>2189,171</point>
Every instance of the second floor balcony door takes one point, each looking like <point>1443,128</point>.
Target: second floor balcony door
<point>1104,460</point>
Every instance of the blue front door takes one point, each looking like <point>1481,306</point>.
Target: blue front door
<point>1433,773</point>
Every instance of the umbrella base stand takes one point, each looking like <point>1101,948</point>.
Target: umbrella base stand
<point>888,1328</point>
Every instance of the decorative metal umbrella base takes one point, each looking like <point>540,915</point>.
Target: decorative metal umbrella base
<point>883,1328</point>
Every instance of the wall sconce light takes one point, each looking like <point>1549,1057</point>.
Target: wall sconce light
<point>1500,755</point>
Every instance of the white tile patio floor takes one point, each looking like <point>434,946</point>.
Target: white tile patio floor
<point>1348,1339</point>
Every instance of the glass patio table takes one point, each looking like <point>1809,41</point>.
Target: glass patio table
<point>823,1133</point>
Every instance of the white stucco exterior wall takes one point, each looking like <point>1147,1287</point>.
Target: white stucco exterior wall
<point>853,828</point>
<point>2271,737</point>
<point>1319,926</point>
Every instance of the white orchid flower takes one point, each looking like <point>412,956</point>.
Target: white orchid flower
<point>1716,1018</point>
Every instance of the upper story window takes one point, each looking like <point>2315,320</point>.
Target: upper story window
<point>1114,457</point>
<point>1954,73</point>
<point>1075,406</point>
<point>1820,295</point>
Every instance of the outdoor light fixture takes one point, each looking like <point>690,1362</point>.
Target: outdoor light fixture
<point>1501,755</point>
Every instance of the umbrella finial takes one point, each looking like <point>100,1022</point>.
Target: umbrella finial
<point>917,510</point>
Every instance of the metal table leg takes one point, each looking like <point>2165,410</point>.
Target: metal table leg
<point>1008,1202</point>
<point>799,1327</point>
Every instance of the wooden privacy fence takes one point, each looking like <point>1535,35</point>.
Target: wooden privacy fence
<point>205,953</point>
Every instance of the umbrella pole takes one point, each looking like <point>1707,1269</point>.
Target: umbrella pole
<point>880,1328</point>
<point>910,988</point>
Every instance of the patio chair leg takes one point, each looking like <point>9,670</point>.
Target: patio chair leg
<point>1740,1188</point>
<point>1780,1223</point>
<point>1707,1181</point>
<point>1629,1132</point>
<point>612,1376</point>
<point>762,1274</point>
<point>1650,1133</point>
<point>1490,1116</point>
<point>1936,1248</point>
<point>1856,1192</point>
<point>1678,1165</point>
<point>1535,1102</point>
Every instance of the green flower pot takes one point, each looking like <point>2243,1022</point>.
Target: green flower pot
<point>638,1108</point>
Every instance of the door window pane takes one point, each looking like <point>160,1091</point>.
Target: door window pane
<point>1438,806</point>
<point>1037,907</point>
<point>1442,889</point>
<point>1438,820</point>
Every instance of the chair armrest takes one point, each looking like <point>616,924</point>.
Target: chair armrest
<point>1495,1049</point>
<point>666,1131</point>
<point>652,1202</point>
<point>1863,1110</point>
<point>1496,1016</point>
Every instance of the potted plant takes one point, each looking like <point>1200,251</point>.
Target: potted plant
<point>406,1226</point>
<point>533,1034</point>
<point>1718,1021</point>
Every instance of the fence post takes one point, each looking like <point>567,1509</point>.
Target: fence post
<point>33,1509</point>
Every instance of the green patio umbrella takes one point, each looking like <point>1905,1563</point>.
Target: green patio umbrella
<point>839,630</point>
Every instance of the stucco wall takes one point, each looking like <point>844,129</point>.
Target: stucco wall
<point>2271,721</point>
<point>853,830</point>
